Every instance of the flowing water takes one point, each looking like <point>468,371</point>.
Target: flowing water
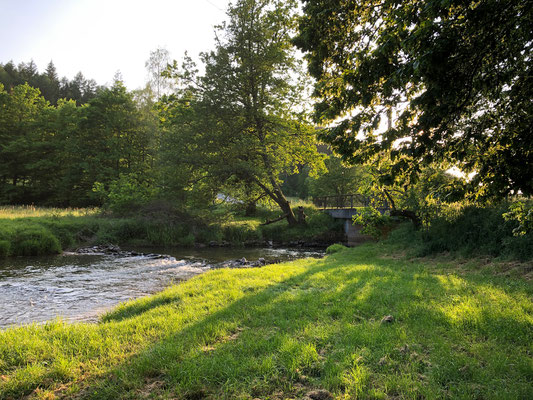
<point>79,287</point>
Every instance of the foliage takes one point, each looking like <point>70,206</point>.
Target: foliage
<point>522,213</point>
<point>469,231</point>
<point>453,79</point>
<point>28,239</point>
<point>79,89</point>
<point>127,194</point>
<point>260,333</point>
<point>55,154</point>
<point>373,222</point>
<point>335,248</point>
<point>340,179</point>
<point>23,132</point>
<point>243,124</point>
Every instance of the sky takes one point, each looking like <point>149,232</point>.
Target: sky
<point>101,37</point>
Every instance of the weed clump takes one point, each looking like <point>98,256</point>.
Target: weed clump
<point>335,248</point>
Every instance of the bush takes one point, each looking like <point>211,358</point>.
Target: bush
<point>34,241</point>
<point>127,194</point>
<point>521,213</point>
<point>373,222</point>
<point>335,248</point>
<point>471,232</point>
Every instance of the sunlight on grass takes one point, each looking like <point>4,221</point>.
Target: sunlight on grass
<point>13,212</point>
<point>283,330</point>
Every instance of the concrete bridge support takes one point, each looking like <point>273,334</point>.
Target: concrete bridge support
<point>352,232</point>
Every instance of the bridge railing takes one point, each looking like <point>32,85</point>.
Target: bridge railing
<point>349,201</point>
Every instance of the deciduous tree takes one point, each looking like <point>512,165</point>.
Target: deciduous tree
<point>458,75</point>
<point>253,125</point>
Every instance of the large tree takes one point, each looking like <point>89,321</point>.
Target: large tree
<point>457,76</point>
<point>252,126</point>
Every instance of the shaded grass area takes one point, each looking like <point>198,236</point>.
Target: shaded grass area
<point>458,331</point>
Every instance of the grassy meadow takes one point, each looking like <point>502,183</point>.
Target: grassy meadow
<point>457,329</point>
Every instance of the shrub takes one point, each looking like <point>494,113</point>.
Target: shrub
<point>373,222</point>
<point>472,231</point>
<point>521,213</point>
<point>335,248</point>
<point>127,194</point>
<point>34,241</point>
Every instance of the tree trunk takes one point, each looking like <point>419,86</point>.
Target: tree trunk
<point>251,209</point>
<point>402,213</point>
<point>285,206</point>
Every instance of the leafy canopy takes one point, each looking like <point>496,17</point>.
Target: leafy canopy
<point>456,74</point>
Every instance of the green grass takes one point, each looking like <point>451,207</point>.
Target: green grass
<point>13,212</point>
<point>460,330</point>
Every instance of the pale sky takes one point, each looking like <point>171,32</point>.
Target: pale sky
<point>99,37</point>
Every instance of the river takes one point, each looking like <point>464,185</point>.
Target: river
<point>78,287</point>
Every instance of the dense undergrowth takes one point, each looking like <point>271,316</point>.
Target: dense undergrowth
<point>457,330</point>
<point>49,233</point>
<point>470,232</point>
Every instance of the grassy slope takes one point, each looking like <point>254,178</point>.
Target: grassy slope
<point>460,331</point>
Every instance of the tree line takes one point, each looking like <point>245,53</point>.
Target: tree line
<point>52,88</point>
<point>406,90</point>
<point>54,154</point>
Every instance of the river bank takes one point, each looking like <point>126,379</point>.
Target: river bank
<point>366,322</point>
<point>51,234</point>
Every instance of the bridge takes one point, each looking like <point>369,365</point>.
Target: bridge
<point>345,206</point>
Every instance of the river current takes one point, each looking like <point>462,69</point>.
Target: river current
<point>78,287</point>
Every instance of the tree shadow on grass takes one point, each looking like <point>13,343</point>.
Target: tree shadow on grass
<point>318,329</point>
<point>303,333</point>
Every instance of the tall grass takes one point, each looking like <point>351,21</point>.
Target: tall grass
<point>467,231</point>
<point>30,211</point>
<point>27,230</point>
